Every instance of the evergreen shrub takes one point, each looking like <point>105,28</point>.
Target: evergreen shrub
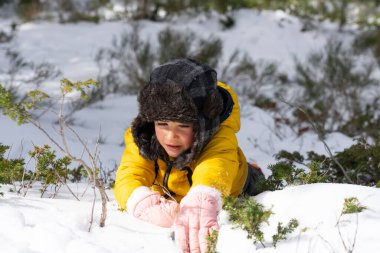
<point>256,82</point>
<point>187,44</point>
<point>124,67</point>
<point>368,40</point>
<point>286,173</point>
<point>11,170</point>
<point>361,162</point>
<point>76,17</point>
<point>49,170</point>
<point>334,93</point>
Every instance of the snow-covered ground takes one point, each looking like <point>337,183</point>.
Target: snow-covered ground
<point>32,224</point>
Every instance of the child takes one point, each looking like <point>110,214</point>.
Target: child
<point>182,148</point>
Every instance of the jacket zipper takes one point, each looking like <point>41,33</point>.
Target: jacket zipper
<point>167,173</point>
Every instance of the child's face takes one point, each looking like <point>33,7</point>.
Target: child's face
<point>174,137</point>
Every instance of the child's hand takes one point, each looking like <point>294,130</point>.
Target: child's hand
<point>197,218</point>
<point>149,206</point>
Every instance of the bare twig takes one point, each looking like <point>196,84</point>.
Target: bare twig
<point>166,191</point>
<point>356,232</point>
<point>61,124</point>
<point>64,183</point>
<point>56,190</point>
<point>227,67</point>
<point>327,243</point>
<point>97,152</point>
<point>340,234</point>
<point>348,248</point>
<point>320,138</point>
<point>36,124</point>
<point>91,172</point>
<point>49,108</point>
<point>22,186</point>
<point>103,195</point>
<point>30,183</point>
<point>83,144</point>
<point>99,184</point>
<point>92,209</point>
<point>63,150</point>
<point>85,190</point>
<point>12,181</point>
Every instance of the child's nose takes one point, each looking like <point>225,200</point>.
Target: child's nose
<point>172,135</point>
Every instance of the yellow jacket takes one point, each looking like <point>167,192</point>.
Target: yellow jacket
<point>221,164</point>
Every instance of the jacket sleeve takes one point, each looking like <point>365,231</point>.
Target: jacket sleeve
<point>134,171</point>
<point>218,164</point>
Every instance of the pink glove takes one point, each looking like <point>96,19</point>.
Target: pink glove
<point>149,206</point>
<point>197,218</point>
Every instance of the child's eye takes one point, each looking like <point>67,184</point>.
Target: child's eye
<point>184,126</point>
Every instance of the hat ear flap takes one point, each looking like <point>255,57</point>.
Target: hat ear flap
<point>143,132</point>
<point>213,105</point>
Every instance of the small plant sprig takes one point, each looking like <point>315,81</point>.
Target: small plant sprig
<point>249,215</point>
<point>212,240</point>
<point>283,231</point>
<point>67,87</point>
<point>352,205</point>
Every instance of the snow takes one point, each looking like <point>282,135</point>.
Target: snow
<point>32,224</point>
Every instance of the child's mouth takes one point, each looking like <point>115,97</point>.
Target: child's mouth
<point>173,147</point>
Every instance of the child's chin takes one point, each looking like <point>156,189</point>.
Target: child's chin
<point>173,154</point>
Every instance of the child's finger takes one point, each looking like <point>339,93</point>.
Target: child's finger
<point>182,237</point>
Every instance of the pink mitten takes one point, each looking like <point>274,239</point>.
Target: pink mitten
<point>197,218</point>
<point>149,206</point>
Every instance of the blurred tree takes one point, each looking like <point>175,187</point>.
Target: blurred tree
<point>94,5</point>
<point>66,5</point>
<point>3,2</point>
<point>29,9</point>
<point>333,86</point>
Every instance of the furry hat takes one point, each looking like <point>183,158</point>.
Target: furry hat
<point>182,90</point>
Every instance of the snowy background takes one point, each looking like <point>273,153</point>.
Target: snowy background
<point>31,224</point>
